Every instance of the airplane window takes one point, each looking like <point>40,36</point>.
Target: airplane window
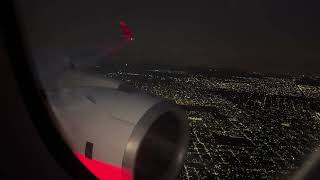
<point>245,74</point>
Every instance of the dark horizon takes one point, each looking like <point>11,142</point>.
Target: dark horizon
<point>214,67</point>
<point>271,36</point>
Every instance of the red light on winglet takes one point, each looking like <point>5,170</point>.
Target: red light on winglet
<point>104,171</point>
<point>126,32</point>
<point>126,38</point>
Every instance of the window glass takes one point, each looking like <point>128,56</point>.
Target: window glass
<point>245,72</point>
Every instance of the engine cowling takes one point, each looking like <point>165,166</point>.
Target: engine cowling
<point>104,121</point>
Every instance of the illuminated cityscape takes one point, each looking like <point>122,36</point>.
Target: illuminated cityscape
<point>243,125</point>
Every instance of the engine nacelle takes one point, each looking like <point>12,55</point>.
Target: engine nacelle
<point>108,122</point>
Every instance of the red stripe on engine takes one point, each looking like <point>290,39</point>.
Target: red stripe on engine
<point>104,171</point>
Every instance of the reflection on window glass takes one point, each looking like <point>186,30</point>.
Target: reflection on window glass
<point>246,73</point>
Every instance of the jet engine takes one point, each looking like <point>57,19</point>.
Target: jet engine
<point>118,132</point>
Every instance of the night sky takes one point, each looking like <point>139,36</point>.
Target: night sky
<point>267,36</point>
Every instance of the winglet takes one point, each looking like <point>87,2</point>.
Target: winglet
<point>126,32</point>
